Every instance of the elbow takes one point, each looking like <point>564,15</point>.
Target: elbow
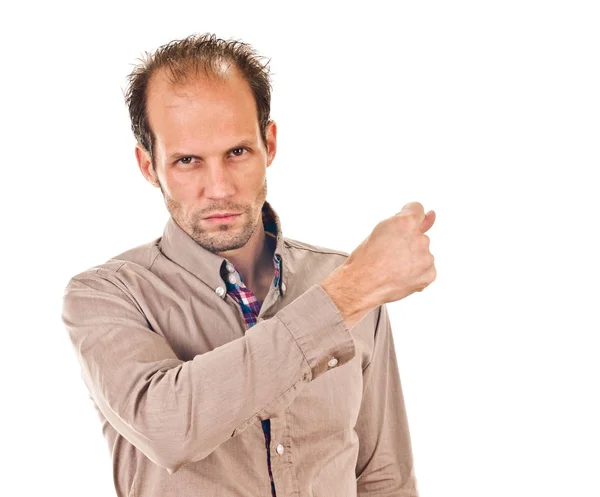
<point>164,455</point>
<point>169,460</point>
<point>172,456</point>
<point>173,465</point>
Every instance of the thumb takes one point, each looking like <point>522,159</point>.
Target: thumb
<point>427,222</point>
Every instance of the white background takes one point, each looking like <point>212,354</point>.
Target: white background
<point>486,112</point>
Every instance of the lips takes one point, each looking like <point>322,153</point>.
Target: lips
<point>223,214</point>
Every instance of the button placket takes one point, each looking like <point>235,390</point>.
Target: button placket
<point>279,437</point>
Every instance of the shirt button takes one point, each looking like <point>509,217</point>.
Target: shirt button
<point>280,449</point>
<point>332,362</point>
<point>220,291</point>
<point>230,268</point>
<point>231,278</point>
<point>283,286</point>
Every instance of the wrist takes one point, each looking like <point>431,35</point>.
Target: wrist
<point>344,288</point>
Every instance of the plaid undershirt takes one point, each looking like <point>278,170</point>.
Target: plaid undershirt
<point>251,307</point>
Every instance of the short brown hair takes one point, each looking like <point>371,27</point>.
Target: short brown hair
<point>183,59</point>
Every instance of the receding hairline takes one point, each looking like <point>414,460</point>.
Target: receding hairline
<point>196,80</point>
<point>188,71</point>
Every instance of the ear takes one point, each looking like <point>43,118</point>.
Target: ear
<point>271,135</point>
<point>145,165</point>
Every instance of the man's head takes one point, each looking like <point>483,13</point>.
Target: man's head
<point>199,110</point>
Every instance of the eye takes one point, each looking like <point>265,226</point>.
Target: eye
<point>239,149</point>
<point>185,160</point>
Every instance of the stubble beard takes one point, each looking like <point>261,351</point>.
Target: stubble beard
<point>223,237</point>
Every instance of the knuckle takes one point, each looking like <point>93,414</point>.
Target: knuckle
<point>408,218</point>
<point>427,260</point>
<point>413,205</point>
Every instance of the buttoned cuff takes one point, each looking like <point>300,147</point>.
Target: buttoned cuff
<point>319,329</point>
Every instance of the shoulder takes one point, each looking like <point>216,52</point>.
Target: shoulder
<point>119,268</point>
<point>311,263</point>
<point>316,249</point>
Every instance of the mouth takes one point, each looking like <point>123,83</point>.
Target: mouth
<point>222,218</point>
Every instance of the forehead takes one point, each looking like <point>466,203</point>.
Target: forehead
<point>200,108</point>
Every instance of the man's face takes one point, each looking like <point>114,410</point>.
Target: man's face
<point>209,157</point>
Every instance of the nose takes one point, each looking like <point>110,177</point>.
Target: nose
<point>218,181</point>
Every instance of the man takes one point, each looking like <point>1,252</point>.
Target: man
<point>223,358</point>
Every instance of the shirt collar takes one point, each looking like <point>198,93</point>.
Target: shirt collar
<point>179,247</point>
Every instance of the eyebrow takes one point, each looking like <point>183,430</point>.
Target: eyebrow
<point>243,143</point>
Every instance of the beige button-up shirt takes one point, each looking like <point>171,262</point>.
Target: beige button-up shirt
<point>181,385</point>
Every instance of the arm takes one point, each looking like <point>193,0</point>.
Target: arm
<point>384,466</point>
<point>176,411</point>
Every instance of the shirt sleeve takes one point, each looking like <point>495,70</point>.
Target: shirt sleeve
<point>177,411</point>
<point>384,467</point>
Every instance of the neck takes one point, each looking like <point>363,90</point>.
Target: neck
<point>254,261</point>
